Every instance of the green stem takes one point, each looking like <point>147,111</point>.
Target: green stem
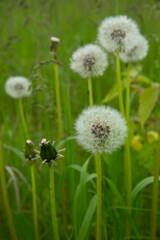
<point>22,117</point>
<point>60,135</point>
<point>90,91</point>
<point>53,204</point>
<point>58,102</point>
<point>118,70</point>
<point>127,161</point>
<point>99,199</point>
<point>35,215</point>
<point>5,197</point>
<point>128,93</point>
<point>155,197</point>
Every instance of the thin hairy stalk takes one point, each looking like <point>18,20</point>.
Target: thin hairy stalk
<point>53,204</point>
<point>35,215</point>
<point>119,82</point>
<point>23,118</point>
<point>155,196</point>
<point>5,197</point>
<point>90,91</point>
<point>128,93</point>
<point>60,135</point>
<point>99,198</point>
<point>58,102</point>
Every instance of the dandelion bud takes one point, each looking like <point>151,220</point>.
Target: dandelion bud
<point>47,152</point>
<point>89,61</point>
<point>100,129</point>
<point>18,87</point>
<point>54,44</point>
<point>30,152</point>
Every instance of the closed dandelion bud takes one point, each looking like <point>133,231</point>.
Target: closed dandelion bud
<point>30,152</point>
<point>18,87</point>
<point>89,61</point>
<point>101,129</point>
<point>47,152</point>
<point>115,33</point>
<point>54,44</point>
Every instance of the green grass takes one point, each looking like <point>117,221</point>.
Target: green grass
<point>26,28</point>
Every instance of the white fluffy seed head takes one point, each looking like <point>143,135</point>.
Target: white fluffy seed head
<point>100,129</point>
<point>89,61</point>
<point>136,50</point>
<point>115,32</point>
<point>18,87</point>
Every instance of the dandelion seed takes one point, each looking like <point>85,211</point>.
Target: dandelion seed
<point>136,50</point>
<point>114,33</point>
<point>89,61</point>
<point>18,87</point>
<point>101,129</point>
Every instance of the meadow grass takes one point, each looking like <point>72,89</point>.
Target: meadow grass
<point>26,28</point>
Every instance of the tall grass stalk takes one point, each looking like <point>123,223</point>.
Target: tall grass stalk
<point>53,204</point>
<point>155,196</point>
<point>99,197</point>
<point>35,215</point>
<point>127,158</point>
<point>5,196</point>
<point>23,117</point>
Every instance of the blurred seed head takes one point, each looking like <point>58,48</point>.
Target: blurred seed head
<point>136,50</point>
<point>18,87</point>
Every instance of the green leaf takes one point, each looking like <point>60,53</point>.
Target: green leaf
<point>87,218</point>
<point>144,79</point>
<point>147,102</point>
<point>142,184</point>
<point>111,95</point>
<point>115,191</point>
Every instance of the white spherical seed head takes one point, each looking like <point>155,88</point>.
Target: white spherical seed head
<point>115,32</point>
<point>100,129</point>
<point>18,87</point>
<point>136,50</point>
<point>89,61</point>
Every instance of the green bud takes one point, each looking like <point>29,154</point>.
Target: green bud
<point>29,152</point>
<point>47,152</point>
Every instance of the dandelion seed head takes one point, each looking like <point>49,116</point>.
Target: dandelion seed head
<point>89,61</point>
<point>18,87</point>
<point>100,129</point>
<point>136,50</point>
<point>115,32</point>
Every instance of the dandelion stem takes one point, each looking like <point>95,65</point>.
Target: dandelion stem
<point>53,204</point>
<point>118,70</point>
<point>60,135</point>
<point>155,196</point>
<point>90,91</point>
<point>99,199</point>
<point>35,215</point>
<point>5,196</point>
<point>22,117</point>
<point>58,102</point>
<point>127,162</point>
<point>128,92</point>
